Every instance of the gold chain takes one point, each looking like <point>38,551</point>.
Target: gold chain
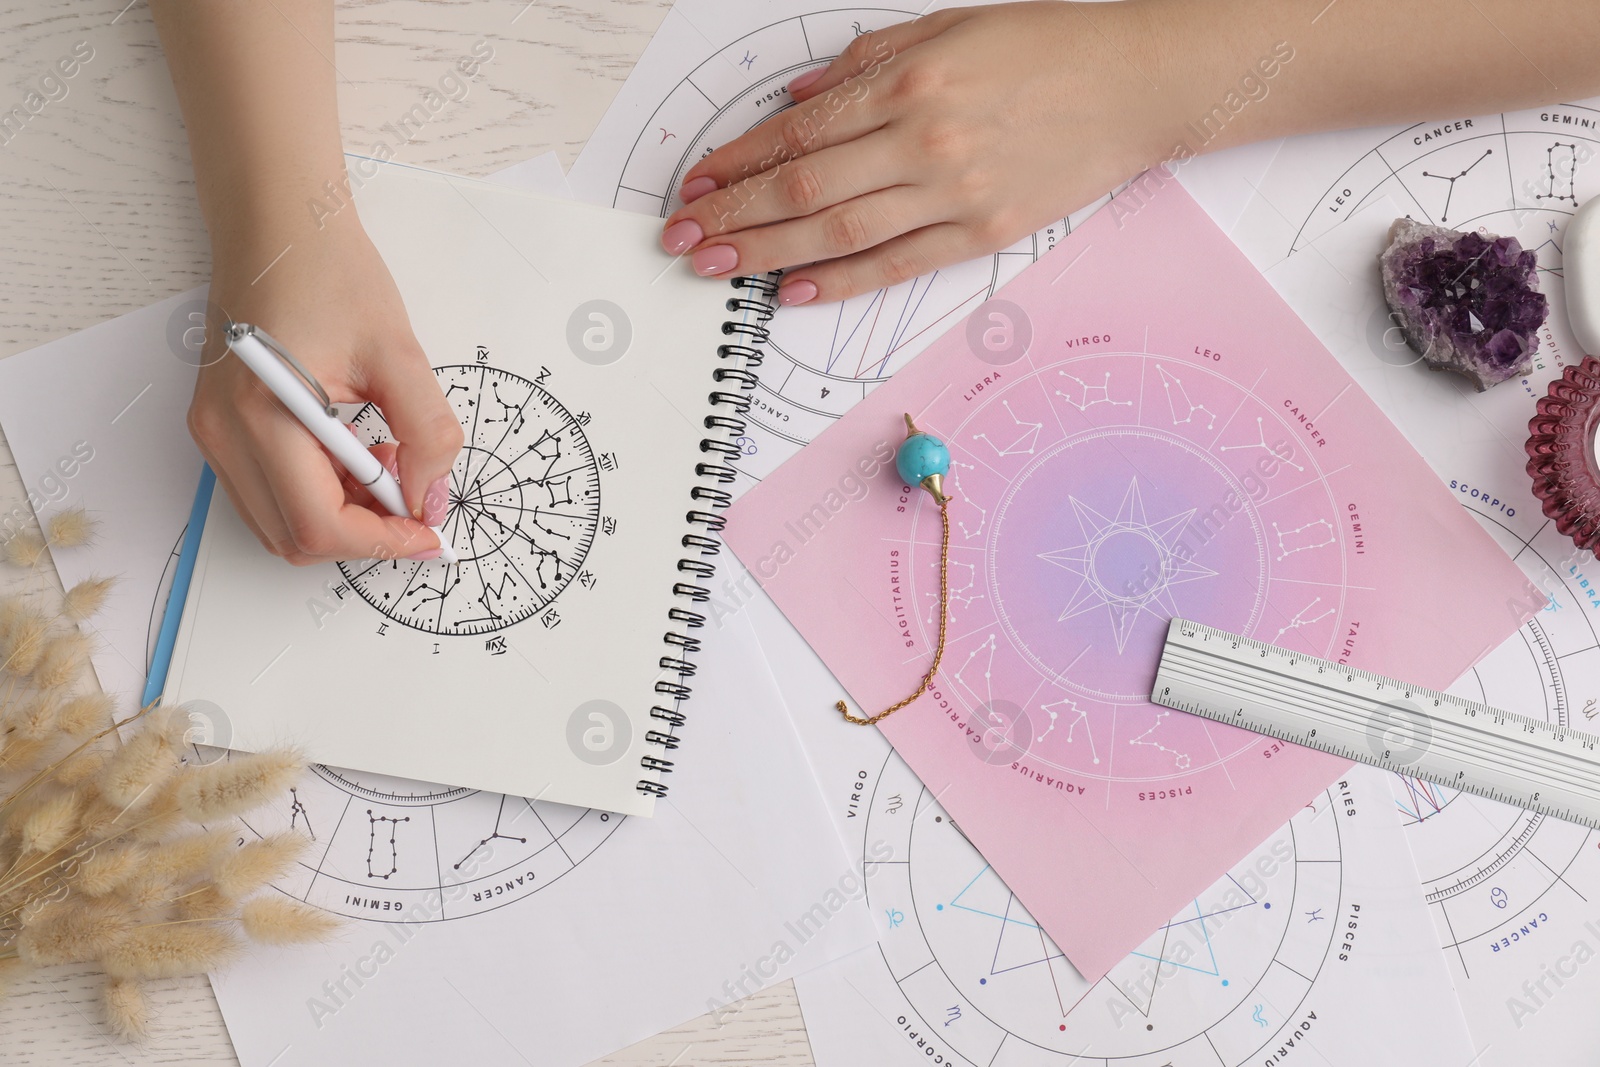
<point>944,615</point>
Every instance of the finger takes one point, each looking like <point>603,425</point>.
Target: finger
<point>399,380</point>
<point>896,260</point>
<point>798,188</point>
<point>832,119</point>
<point>841,230</point>
<point>323,524</point>
<point>869,49</point>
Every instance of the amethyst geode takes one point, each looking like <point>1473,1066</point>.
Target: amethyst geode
<point>1468,302</point>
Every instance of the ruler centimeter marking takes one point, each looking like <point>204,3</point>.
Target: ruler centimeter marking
<point>1381,721</point>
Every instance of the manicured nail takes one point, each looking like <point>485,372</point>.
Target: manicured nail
<point>718,259</point>
<point>426,554</point>
<point>695,188</point>
<point>801,292</point>
<point>682,236</point>
<point>437,502</point>
<point>808,78</point>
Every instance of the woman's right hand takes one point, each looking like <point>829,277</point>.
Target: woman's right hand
<point>330,301</point>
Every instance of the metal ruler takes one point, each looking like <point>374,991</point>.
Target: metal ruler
<point>1449,740</point>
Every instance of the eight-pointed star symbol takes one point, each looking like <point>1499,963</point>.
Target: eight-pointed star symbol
<point>1126,564</point>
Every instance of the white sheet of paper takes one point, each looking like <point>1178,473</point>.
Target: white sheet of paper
<point>120,449</point>
<point>566,506</point>
<point>667,918</point>
<point>1510,894</point>
<point>739,881</point>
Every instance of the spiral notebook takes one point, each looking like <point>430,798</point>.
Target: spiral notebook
<point>600,385</point>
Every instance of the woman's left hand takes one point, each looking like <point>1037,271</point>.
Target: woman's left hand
<point>928,143</point>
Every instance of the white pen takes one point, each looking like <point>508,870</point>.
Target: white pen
<point>292,384</point>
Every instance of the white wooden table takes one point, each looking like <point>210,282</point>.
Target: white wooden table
<point>97,218</point>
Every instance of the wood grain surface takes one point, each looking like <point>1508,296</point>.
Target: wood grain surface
<point>97,218</point>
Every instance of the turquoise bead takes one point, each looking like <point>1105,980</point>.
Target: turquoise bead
<point>921,455</point>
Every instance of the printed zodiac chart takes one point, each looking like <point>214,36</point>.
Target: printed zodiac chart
<point>1118,490</point>
<point>820,361</point>
<point>386,849</point>
<point>1255,965</point>
<point>1509,890</point>
<point>1522,174</point>
<point>524,509</point>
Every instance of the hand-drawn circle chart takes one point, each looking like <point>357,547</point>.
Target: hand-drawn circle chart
<point>1520,174</point>
<point>820,360</point>
<point>1221,979</point>
<point>1097,498</point>
<point>1487,867</point>
<point>524,508</point>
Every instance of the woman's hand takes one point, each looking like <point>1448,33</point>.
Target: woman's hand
<point>929,143</point>
<point>333,304</point>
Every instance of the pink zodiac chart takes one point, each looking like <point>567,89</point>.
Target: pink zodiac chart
<point>1140,429</point>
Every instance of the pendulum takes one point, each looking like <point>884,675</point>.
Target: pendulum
<point>922,460</point>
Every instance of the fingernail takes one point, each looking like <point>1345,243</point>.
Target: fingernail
<point>427,554</point>
<point>718,259</point>
<point>801,292</point>
<point>808,78</point>
<point>682,236</point>
<point>436,502</point>
<point>695,188</point>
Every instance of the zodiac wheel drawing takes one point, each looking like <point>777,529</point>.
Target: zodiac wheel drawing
<point>1096,498</point>
<point>1519,173</point>
<point>524,508</point>
<point>820,360</point>
<point>1487,867</point>
<point>392,850</point>
<point>1221,979</point>
<point>1522,174</point>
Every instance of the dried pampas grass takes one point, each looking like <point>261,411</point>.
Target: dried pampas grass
<point>232,787</point>
<point>25,550</point>
<point>84,600</point>
<point>127,1009</point>
<point>277,920</point>
<point>71,528</point>
<point>122,854</point>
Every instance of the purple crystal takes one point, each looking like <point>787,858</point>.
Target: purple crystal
<point>1468,302</point>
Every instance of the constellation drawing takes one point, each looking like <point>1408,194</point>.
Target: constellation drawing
<point>961,593</point>
<point>1080,717</point>
<point>1261,443</point>
<point>1027,435</point>
<point>1561,172</point>
<point>494,835</point>
<point>965,505</point>
<point>297,811</point>
<point>375,839</point>
<point>1180,759</point>
<point>1092,394</point>
<point>1444,216</point>
<point>986,650</point>
<point>1173,386</point>
<point>1300,619</point>
<point>1318,533</point>
<point>523,510</point>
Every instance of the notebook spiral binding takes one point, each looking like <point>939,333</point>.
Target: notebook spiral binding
<point>732,381</point>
